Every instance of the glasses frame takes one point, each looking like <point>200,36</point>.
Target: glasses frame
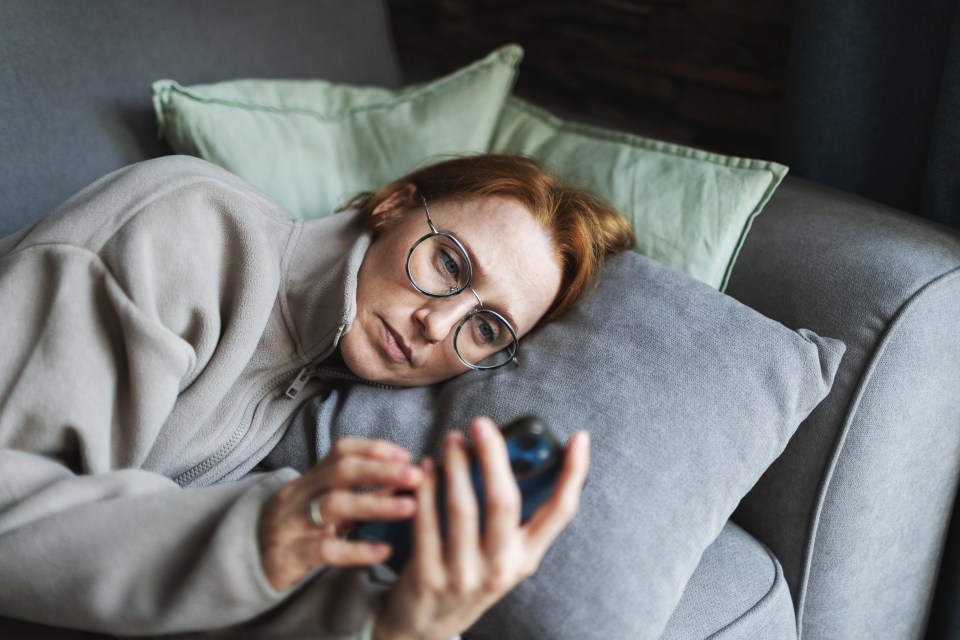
<point>515,345</point>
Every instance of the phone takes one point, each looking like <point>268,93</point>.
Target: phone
<point>536,459</point>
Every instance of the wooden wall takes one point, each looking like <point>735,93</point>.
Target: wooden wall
<point>703,72</point>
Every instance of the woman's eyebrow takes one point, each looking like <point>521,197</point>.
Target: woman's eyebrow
<point>506,314</point>
<point>481,270</point>
<point>478,267</point>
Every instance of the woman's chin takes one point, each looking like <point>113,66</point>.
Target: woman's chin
<point>366,361</point>
<point>373,366</point>
<point>372,371</point>
<point>410,378</point>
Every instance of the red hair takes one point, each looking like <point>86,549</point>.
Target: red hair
<point>584,229</point>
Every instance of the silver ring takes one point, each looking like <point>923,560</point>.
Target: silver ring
<point>314,511</point>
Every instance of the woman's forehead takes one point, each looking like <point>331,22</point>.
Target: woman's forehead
<point>487,218</point>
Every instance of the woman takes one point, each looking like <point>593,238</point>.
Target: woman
<point>164,325</point>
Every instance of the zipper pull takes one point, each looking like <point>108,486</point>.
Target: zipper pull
<point>299,382</point>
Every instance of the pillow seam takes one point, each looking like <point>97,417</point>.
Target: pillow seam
<point>426,91</point>
<point>778,172</point>
<point>648,144</point>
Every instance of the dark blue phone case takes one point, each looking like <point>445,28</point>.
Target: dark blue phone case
<point>536,459</point>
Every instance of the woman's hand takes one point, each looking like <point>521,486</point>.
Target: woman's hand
<point>447,585</point>
<point>291,544</point>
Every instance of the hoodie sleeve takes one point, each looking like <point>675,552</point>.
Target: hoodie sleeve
<point>89,538</point>
<point>83,543</point>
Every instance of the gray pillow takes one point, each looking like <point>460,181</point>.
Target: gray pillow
<point>688,395</point>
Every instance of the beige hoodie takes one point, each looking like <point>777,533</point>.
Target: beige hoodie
<point>150,328</point>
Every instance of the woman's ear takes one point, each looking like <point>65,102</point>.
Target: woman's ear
<point>399,199</point>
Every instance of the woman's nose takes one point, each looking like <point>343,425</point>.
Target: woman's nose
<point>438,317</point>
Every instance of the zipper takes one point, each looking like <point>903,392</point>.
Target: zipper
<point>261,392</point>
<point>314,370</point>
<point>303,377</point>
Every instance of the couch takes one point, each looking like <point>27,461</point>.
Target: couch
<point>843,535</point>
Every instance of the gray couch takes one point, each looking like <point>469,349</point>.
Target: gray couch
<point>841,538</point>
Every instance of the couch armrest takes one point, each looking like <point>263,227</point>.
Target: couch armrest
<point>858,506</point>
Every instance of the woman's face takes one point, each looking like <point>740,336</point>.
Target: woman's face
<point>405,338</point>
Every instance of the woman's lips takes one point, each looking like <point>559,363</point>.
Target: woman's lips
<point>393,344</point>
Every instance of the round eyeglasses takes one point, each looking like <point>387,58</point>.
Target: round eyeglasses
<point>438,266</point>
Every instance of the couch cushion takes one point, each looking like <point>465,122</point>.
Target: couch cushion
<point>76,76</point>
<point>737,593</point>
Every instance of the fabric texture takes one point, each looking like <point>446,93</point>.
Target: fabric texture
<point>76,77</point>
<point>857,507</point>
<point>168,301</point>
<point>690,209</point>
<point>901,485</point>
<point>688,395</point>
<point>314,144</point>
<point>737,593</point>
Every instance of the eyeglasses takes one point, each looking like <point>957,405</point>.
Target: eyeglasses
<point>438,267</point>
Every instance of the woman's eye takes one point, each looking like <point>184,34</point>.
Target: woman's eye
<point>449,268</point>
<point>488,332</point>
<point>449,264</point>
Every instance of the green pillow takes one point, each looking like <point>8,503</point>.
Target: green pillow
<point>690,209</point>
<point>312,144</point>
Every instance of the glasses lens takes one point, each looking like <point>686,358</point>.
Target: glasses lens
<point>484,340</point>
<point>437,266</point>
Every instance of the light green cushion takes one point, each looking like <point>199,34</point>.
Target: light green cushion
<point>690,209</point>
<point>312,144</point>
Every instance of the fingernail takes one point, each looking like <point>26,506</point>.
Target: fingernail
<point>404,505</point>
<point>407,473</point>
<point>583,441</point>
<point>484,428</point>
<point>454,439</point>
<point>427,465</point>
